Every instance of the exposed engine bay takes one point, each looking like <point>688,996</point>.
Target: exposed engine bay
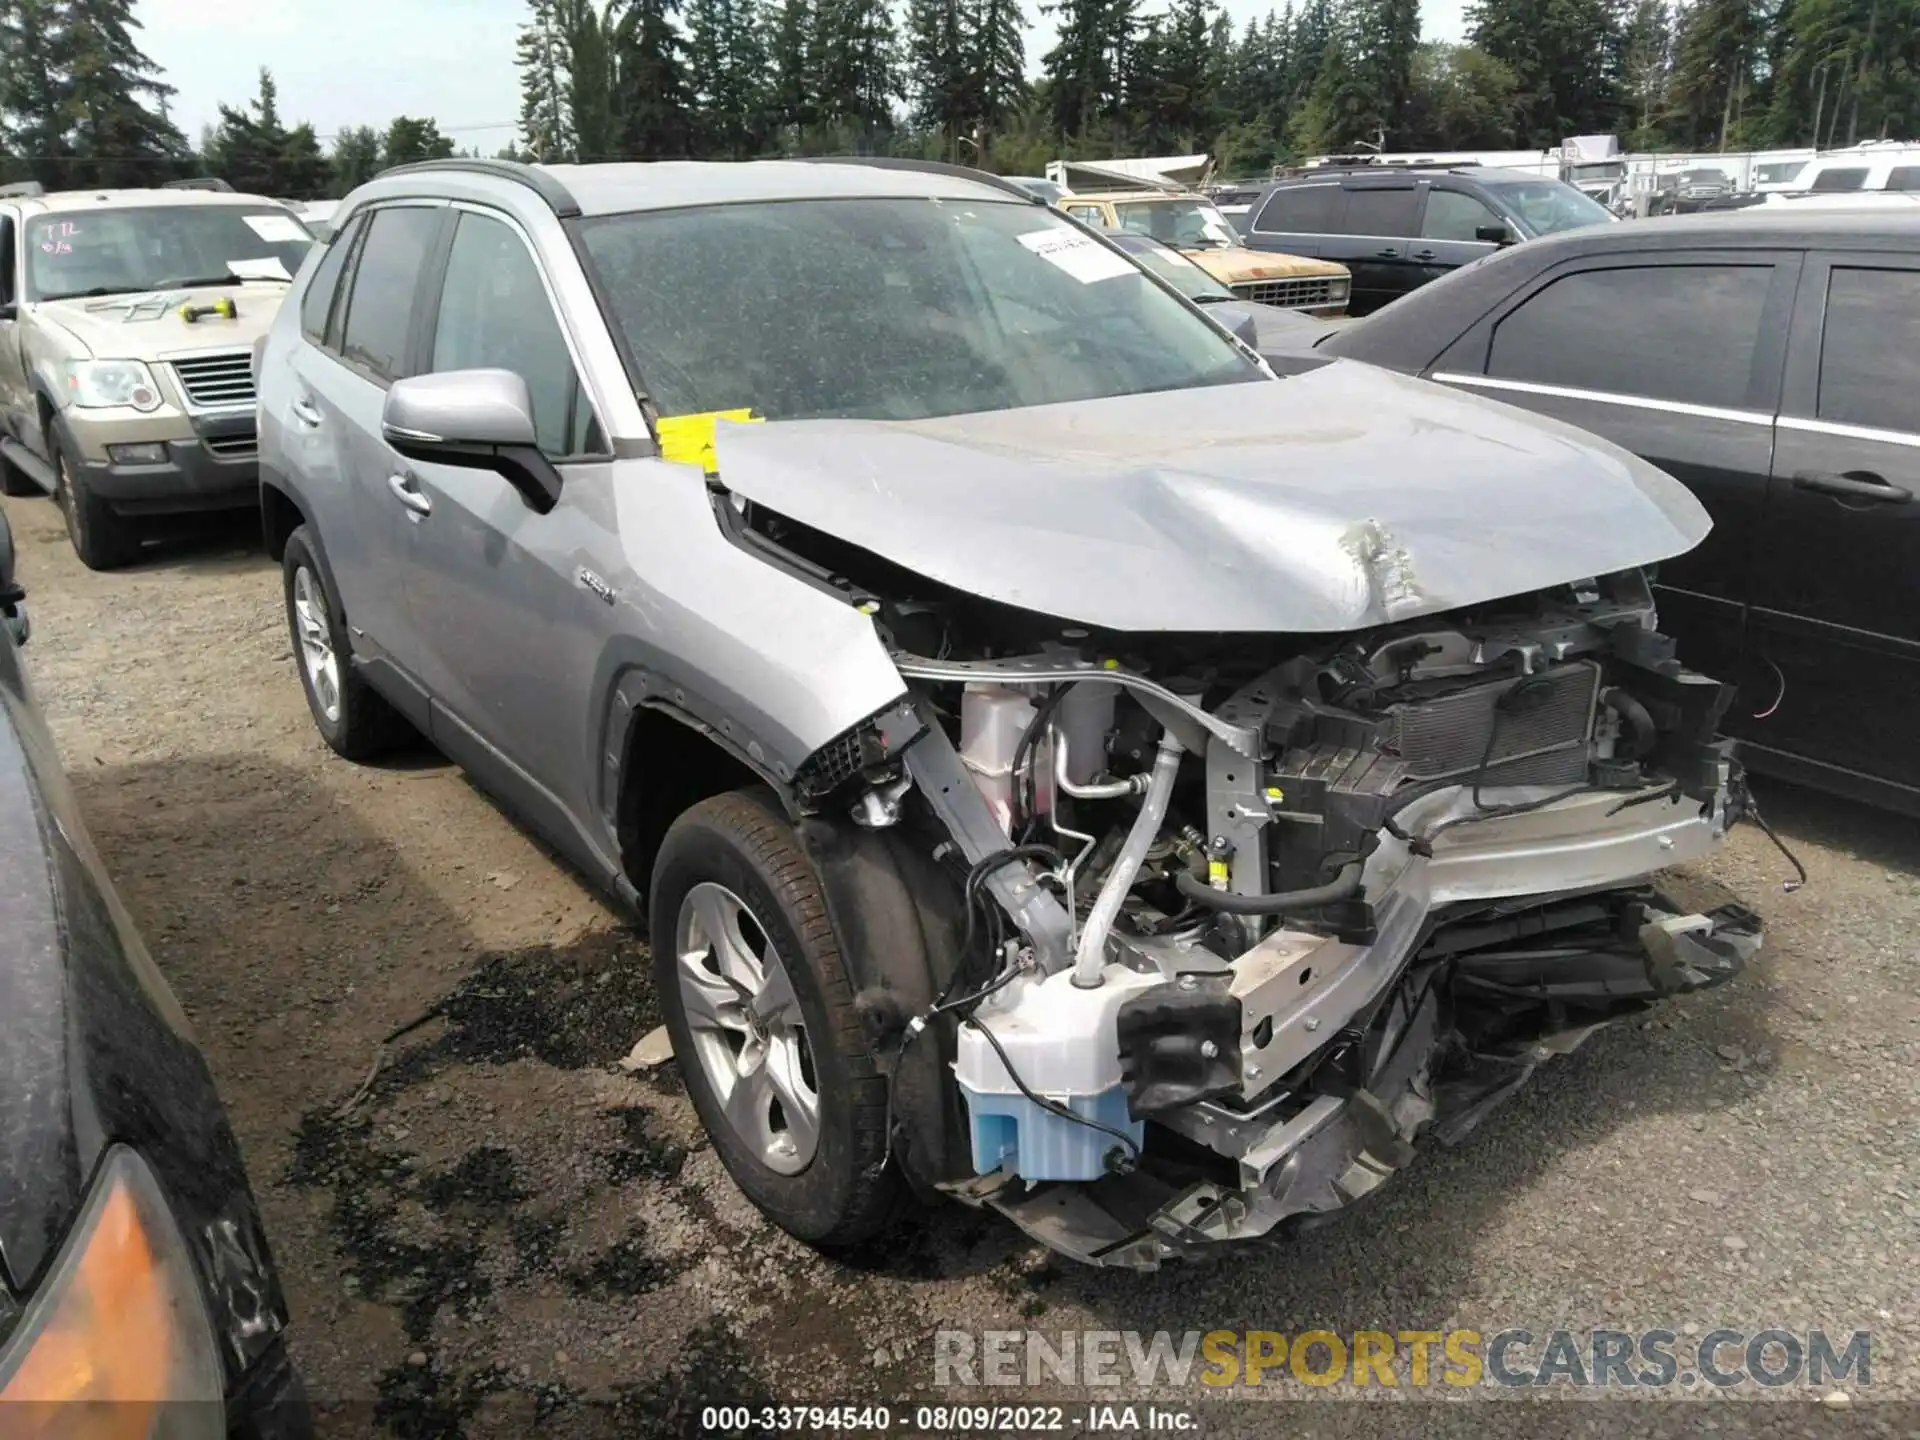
<point>1237,919</point>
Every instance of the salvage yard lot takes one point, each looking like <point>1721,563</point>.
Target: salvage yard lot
<point>506,1221</point>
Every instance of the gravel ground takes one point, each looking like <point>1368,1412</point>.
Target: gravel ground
<point>507,1223</point>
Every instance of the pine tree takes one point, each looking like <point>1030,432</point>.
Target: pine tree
<point>1385,35</point>
<point>546,128</point>
<point>1565,58</point>
<point>410,140</point>
<point>792,51</point>
<point>1720,46</point>
<point>113,100</point>
<point>999,61</point>
<point>586,37</point>
<point>859,68</point>
<point>652,112</point>
<point>938,70</point>
<point>33,121</point>
<point>248,149</point>
<point>727,75</point>
<point>356,158</point>
<point>1086,69</point>
<point>1648,51</point>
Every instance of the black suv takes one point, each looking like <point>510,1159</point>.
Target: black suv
<point>1766,358</point>
<point>1398,228</point>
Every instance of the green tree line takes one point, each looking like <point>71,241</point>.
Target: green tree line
<point>81,104</point>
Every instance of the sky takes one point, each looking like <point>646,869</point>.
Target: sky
<point>339,63</point>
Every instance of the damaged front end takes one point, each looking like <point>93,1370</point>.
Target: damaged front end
<point>1227,922</point>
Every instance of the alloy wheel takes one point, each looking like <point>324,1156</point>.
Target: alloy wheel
<point>749,1036</point>
<point>317,657</point>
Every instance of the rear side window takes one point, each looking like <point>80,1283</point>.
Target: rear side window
<point>1904,177</point>
<point>1387,213</point>
<point>1869,361</point>
<point>1302,210</point>
<point>1847,177</point>
<point>1686,333</point>
<point>380,310</point>
<point>317,303</point>
<point>1455,215</point>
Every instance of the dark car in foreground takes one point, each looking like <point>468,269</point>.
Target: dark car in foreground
<point>137,1293</point>
<point>1766,358</point>
<point>1400,228</point>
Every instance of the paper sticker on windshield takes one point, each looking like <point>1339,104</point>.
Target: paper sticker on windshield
<point>1081,256</point>
<point>268,269</point>
<point>276,229</point>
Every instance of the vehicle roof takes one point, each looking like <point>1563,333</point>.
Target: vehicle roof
<point>1486,174</point>
<point>1122,197</point>
<point>1754,225</point>
<point>612,189</point>
<point>61,201</point>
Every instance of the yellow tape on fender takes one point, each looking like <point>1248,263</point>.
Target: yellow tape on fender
<point>688,439</point>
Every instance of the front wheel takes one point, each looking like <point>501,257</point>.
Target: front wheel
<point>102,539</point>
<point>758,1003</point>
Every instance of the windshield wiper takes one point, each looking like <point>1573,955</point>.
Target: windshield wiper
<point>96,292</point>
<point>202,282</point>
<point>1211,299</point>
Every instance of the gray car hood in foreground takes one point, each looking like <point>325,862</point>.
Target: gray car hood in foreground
<point>1330,501</point>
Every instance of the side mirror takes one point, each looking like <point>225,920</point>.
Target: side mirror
<point>9,311</point>
<point>1493,234</point>
<point>477,420</point>
<point>1241,322</point>
<point>12,613</point>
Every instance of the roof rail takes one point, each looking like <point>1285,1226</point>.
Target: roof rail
<point>204,182</point>
<point>929,167</point>
<point>559,199</point>
<point>22,190</point>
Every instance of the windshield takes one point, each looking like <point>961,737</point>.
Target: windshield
<point>1546,206</point>
<point>128,251</point>
<point>889,310</point>
<point>1191,223</point>
<point>1185,276</point>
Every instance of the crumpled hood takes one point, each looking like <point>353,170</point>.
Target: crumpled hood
<point>1330,501</point>
<point>146,326</point>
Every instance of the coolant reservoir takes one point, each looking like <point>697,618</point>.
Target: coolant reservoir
<point>1085,718</point>
<point>992,720</point>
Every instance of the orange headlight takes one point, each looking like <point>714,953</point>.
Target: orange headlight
<point>116,1344</point>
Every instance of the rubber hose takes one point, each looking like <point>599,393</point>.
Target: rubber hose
<point>1343,886</point>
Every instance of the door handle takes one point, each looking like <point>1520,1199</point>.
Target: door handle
<point>307,413</point>
<point>1391,252</point>
<point>1854,485</point>
<point>1423,254</point>
<point>402,487</point>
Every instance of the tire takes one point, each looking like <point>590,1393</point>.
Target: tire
<point>102,539</point>
<point>352,717</point>
<point>15,481</point>
<point>741,846</point>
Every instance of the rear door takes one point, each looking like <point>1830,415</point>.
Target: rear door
<point>1675,356</point>
<point>354,478</point>
<point>1836,601</point>
<point>1374,239</point>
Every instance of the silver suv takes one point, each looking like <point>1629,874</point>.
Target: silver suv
<point>1065,767</point>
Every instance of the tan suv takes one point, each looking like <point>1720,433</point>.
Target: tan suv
<point>1193,225</point>
<point>127,321</point>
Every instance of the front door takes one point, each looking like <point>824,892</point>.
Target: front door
<point>15,396</point>
<point>1448,237</point>
<point>503,597</point>
<point>1836,598</point>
